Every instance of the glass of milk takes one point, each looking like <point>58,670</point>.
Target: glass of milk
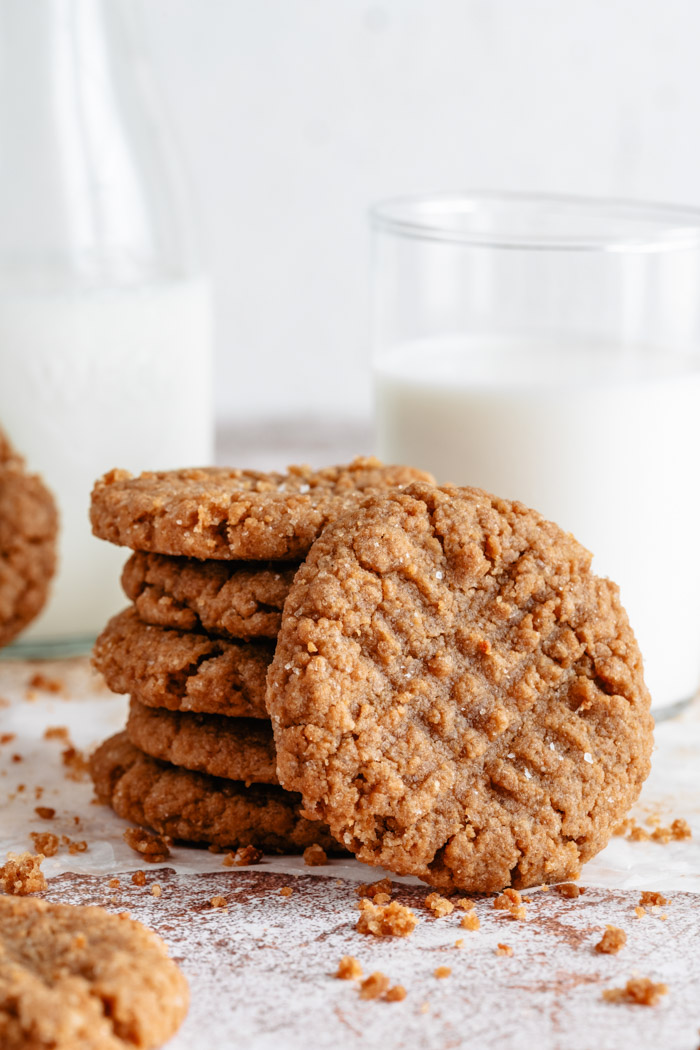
<point>547,349</point>
<point>105,317</point>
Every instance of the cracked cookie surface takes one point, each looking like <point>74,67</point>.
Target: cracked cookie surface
<point>194,807</point>
<point>217,512</point>
<point>79,978</point>
<point>234,748</point>
<point>228,599</point>
<point>28,529</point>
<point>181,670</point>
<point>455,692</point>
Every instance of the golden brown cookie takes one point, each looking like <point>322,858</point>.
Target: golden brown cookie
<point>219,512</point>
<point>194,807</point>
<point>77,978</point>
<point>234,748</point>
<point>181,671</point>
<point>455,692</point>
<point>28,527</point>
<point>225,598</point>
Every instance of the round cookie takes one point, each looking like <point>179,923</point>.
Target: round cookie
<point>234,748</point>
<point>456,694</point>
<point>28,528</point>
<point>219,512</point>
<point>79,978</point>
<point>228,599</point>
<point>181,671</point>
<point>193,807</point>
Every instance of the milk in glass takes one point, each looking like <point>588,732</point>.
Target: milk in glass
<point>603,440</point>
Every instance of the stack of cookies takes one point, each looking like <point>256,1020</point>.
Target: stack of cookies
<point>215,554</point>
<point>453,693</point>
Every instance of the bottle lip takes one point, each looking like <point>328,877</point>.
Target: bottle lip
<point>539,222</point>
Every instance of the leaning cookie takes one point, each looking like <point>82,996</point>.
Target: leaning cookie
<point>182,671</point>
<point>456,694</point>
<point>216,512</point>
<point>28,528</point>
<point>79,978</point>
<point>228,599</point>
<point>193,807</point>
<point>235,748</point>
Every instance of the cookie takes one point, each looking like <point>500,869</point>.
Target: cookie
<point>79,978</point>
<point>234,748</point>
<point>182,671</point>
<point>228,599</point>
<point>456,694</point>
<point>28,528</point>
<point>222,513</point>
<point>193,807</point>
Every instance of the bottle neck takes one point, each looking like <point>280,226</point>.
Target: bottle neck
<point>92,195</point>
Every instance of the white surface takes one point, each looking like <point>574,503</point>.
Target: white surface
<point>603,443</point>
<point>131,369</point>
<point>91,714</point>
<point>294,115</point>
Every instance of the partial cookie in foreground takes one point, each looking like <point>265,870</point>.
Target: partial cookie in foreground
<point>216,512</point>
<point>77,978</point>
<point>28,528</point>
<point>183,671</point>
<point>194,807</point>
<point>456,694</point>
<point>225,598</point>
<point>235,748</point>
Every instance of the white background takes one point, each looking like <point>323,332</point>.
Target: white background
<point>294,115</point>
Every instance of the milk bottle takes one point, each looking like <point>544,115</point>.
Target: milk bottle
<point>105,313</point>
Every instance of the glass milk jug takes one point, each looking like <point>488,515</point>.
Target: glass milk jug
<point>105,321</point>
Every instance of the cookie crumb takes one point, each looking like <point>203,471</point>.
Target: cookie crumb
<point>459,943</point>
<point>286,891</point>
<point>439,905</point>
<point>424,1007</point>
<point>639,991</point>
<point>680,830</point>
<point>639,911</point>
<point>218,902</point>
<point>21,874</point>
<point>612,940</point>
<point>315,856</point>
<point>242,857</point>
<point>511,901</point>
<point>442,971</point>
<point>7,738</point>
<point>45,812</point>
<point>139,878</point>
<point>470,921</point>
<point>114,884</point>
<point>568,889</point>
<point>74,846</point>
<point>45,842</point>
<point>371,889</point>
<point>156,889</point>
<point>57,733</point>
<point>638,834</point>
<point>153,848</point>
<point>396,994</point>
<point>374,986</point>
<point>42,681</point>
<point>504,949</point>
<point>76,763</point>
<point>386,920</point>
<point>349,969</point>
<point>651,898</point>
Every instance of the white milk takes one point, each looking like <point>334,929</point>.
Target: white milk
<point>91,382</point>
<point>607,445</point>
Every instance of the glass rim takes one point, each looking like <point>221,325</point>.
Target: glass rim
<point>665,227</point>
